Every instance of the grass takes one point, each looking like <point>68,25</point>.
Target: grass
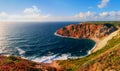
<point>110,60</point>
<point>75,64</point>
<point>13,63</point>
<point>114,23</point>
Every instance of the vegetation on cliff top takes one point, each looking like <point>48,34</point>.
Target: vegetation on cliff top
<point>105,59</point>
<point>12,63</point>
<point>114,23</point>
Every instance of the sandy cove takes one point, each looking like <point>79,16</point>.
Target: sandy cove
<point>101,43</point>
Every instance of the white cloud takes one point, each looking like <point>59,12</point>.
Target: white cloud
<point>85,14</point>
<point>28,14</point>
<point>32,11</point>
<point>93,16</point>
<point>118,13</point>
<point>3,14</point>
<point>34,14</point>
<point>112,13</point>
<point>103,14</point>
<point>103,3</point>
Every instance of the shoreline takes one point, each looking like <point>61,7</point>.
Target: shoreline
<point>89,51</point>
<point>99,43</point>
<point>64,36</point>
<point>102,42</point>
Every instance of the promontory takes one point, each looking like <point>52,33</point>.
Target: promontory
<point>86,30</point>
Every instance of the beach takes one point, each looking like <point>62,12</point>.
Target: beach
<point>101,43</point>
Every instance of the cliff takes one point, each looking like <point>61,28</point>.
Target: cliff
<point>12,63</point>
<point>105,59</point>
<point>86,30</point>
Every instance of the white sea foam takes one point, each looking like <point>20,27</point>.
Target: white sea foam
<point>90,51</point>
<point>21,52</point>
<point>1,50</point>
<point>75,57</point>
<point>49,59</point>
<point>5,50</point>
<point>63,36</point>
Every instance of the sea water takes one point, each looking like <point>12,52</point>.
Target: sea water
<point>37,41</point>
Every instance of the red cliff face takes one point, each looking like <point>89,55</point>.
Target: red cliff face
<point>87,30</point>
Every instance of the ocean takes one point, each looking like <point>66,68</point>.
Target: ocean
<point>37,41</point>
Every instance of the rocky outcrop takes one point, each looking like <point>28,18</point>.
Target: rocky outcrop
<point>86,30</point>
<point>13,63</point>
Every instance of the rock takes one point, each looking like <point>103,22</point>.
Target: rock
<point>86,30</point>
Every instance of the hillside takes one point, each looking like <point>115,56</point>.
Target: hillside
<point>109,60</point>
<point>105,59</point>
<point>12,63</point>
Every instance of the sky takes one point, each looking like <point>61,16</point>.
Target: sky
<point>59,10</point>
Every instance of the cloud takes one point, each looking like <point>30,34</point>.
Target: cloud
<point>118,13</point>
<point>103,3</point>
<point>102,16</point>
<point>113,13</point>
<point>28,14</point>
<point>32,11</point>
<point>85,14</point>
<point>34,14</point>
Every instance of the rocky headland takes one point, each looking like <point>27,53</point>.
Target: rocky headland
<point>96,32</point>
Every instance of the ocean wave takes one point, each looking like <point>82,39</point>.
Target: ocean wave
<point>64,36</point>
<point>21,52</point>
<point>49,59</point>
<point>18,39</point>
<point>7,51</point>
<point>90,51</point>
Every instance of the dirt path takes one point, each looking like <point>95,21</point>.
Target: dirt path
<point>100,44</point>
<point>54,66</point>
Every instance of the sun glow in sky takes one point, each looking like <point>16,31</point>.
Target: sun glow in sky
<point>59,10</point>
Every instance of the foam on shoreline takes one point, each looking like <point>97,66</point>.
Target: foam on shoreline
<point>97,42</point>
<point>89,52</point>
<point>64,36</point>
<point>48,59</point>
